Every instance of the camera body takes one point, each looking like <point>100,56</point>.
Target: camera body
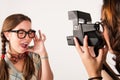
<point>82,26</point>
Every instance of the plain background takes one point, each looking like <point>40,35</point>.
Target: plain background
<point>51,17</point>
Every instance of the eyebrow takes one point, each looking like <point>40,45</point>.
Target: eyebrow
<point>23,29</point>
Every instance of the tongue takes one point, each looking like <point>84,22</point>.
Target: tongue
<point>24,45</point>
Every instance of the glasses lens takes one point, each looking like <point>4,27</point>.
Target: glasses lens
<point>31,33</point>
<point>21,34</point>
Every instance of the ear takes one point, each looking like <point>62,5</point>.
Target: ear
<point>7,35</point>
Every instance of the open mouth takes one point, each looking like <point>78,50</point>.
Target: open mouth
<point>24,45</point>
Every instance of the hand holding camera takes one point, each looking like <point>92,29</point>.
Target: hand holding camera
<point>85,27</point>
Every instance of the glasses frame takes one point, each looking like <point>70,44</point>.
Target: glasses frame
<point>102,24</point>
<point>26,32</point>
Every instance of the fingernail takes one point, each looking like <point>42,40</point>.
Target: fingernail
<point>85,36</point>
<point>74,38</point>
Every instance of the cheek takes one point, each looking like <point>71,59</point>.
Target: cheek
<point>14,40</point>
<point>105,33</point>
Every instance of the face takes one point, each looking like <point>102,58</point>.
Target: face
<point>105,34</point>
<point>17,44</point>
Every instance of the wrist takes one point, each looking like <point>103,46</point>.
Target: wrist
<point>43,57</point>
<point>95,74</point>
<point>95,78</point>
<point>43,54</point>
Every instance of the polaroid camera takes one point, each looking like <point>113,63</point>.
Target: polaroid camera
<point>82,26</point>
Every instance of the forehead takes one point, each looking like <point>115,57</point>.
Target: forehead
<point>26,25</point>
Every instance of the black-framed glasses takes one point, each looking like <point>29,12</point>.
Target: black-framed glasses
<point>100,26</point>
<point>22,33</point>
<point>103,23</point>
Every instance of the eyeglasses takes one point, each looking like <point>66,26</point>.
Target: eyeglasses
<point>100,26</point>
<point>22,33</point>
<point>103,24</point>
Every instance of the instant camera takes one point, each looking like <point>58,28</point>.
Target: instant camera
<point>82,26</point>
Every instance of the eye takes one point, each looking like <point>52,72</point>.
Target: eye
<point>31,33</point>
<point>21,32</point>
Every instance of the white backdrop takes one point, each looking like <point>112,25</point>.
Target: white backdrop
<point>51,17</point>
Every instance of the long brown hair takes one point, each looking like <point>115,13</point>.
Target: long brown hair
<point>111,14</point>
<point>10,23</point>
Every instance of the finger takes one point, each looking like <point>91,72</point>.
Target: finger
<point>36,37</point>
<point>78,46</point>
<point>43,37</point>
<point>85,44</point>
<point>105,51</point>
<point>40,35</point>
<point>91,50</point>
<point>102,53</point>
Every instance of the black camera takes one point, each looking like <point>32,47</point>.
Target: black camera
<point>82,26</point>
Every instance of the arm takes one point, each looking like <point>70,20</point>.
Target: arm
<point>92,64</point>
<point>45,72</point>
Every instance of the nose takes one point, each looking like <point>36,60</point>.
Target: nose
<point>27,37</point>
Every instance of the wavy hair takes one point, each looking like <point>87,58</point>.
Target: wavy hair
<point>111,14</point>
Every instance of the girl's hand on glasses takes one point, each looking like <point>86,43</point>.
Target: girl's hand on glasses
<point>39,47</point>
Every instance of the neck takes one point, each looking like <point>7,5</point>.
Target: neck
<point>15,58</point>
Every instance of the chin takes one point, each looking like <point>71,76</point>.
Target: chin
<point>22,50</point>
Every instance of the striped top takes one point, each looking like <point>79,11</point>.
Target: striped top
<point>14,74</point>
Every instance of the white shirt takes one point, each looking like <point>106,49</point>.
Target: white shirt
<point>111,62</point>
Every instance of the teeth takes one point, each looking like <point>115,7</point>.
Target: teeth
<point>24,45</point>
